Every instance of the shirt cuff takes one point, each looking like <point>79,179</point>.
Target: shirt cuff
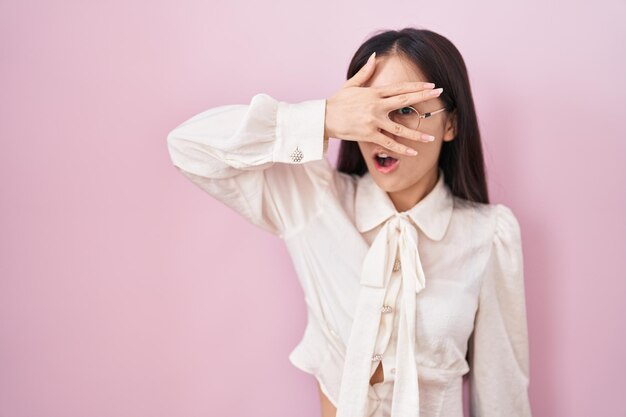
<point>300,131</point>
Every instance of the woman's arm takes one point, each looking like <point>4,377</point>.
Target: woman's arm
<point>498,347</point>
<point>264,159</point>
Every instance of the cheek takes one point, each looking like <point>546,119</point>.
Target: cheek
<point>365,149</point>
<point>431,149</point>
<point>428,155</point>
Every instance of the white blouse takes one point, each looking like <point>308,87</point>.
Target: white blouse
<point>435,292</point>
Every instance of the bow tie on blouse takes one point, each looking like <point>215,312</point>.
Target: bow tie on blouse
<point>397,239</point>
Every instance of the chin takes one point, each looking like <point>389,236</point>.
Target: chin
<point>389,183</point>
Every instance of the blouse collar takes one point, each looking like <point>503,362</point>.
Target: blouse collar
<point>431,214</point>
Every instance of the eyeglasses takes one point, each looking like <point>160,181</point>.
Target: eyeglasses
<point>409,117</point>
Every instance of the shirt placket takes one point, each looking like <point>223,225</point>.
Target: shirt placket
<point>387,338</point>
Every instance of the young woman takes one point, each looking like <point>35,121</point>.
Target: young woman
<point>412,279</point>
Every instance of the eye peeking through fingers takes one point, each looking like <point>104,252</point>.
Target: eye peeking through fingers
<point>406,116</point>
<point>404,111</point>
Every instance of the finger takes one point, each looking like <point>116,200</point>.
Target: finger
<point>408,99</point>
<point>399,130</point>
<point>387,142</point>
<point>401,88</point>
<point>363,74</point>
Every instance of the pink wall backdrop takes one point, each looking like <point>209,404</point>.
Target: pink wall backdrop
<point>125,291</point>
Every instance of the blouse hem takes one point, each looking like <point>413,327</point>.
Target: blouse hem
<point>317,377</point>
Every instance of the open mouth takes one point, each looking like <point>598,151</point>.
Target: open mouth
<point>385,162</point>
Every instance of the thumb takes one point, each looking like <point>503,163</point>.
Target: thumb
<point>362,74</point>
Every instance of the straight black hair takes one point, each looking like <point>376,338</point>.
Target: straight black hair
<point>461,159</point>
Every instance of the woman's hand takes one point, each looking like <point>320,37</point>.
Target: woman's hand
<point>360,113</point>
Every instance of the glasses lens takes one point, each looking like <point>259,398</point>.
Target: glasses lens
<point>406,116</point>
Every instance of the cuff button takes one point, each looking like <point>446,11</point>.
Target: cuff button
<point>297,155</point>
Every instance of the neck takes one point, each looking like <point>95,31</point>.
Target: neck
<point>405,199</point>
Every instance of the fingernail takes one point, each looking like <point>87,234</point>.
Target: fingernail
<point>436,91</point>
<point>429,85</point>
<point>411,151</point>
<point>428,137</point>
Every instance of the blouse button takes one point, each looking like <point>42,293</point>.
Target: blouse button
<point>396,265</point>
<point>386,308</point>
<point>297,155</point>
<point>377,357</point>
<point>393,370</point>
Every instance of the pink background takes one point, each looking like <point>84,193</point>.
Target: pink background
<point>126,291</point>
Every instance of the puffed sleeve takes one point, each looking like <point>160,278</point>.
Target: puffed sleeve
<point>265,160</point>
<point>498,347</point>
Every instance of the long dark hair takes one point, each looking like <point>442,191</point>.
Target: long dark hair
<point>440,62</point>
